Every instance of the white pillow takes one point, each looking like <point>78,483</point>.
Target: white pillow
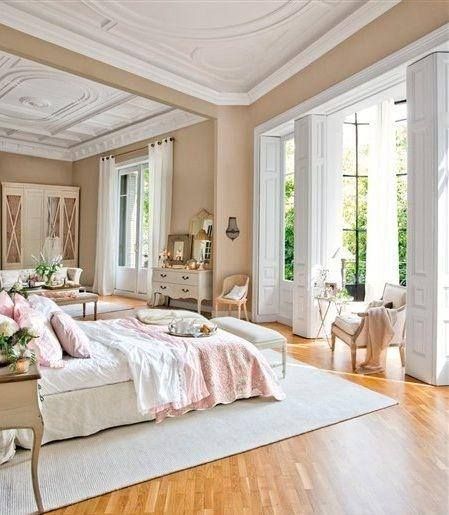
<point>44,306</point>
<point>237,293</point>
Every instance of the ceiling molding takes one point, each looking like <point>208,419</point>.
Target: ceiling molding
<point>161,124</point>
<point>353,23</point>
<point>16,146</point>
<point>36,26</point>
<point>167,122</point>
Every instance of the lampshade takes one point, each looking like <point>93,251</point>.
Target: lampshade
<point>343,253</point>
<point>201,235</point>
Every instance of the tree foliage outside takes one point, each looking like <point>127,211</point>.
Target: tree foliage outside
<point>355,203</point>
<point>289,209</point>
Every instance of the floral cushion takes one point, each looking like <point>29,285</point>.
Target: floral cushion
<point>71,337</point>
<point>6,304</point>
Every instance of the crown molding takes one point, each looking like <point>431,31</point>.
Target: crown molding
<point>16,146</point>
<point>345,29</point>
<point>170,121</point>
<point>166,122</point>
<point>37,27</point>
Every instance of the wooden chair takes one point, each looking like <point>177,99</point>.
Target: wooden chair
<point>351,329</point>
<point>228,284</point>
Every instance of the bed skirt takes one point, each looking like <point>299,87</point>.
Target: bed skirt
<point>85,412</point>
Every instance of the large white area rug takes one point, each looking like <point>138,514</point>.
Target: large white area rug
<point>76,310</point>
<point>77,469</point>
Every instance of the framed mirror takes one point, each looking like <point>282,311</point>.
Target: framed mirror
<point>201,229</point>
<point>179,247</point>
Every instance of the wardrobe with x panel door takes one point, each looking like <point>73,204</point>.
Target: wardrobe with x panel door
<point>32,213</point>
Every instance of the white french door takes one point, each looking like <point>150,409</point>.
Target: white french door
<point>133,229</point>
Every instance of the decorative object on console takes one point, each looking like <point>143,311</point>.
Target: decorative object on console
<point>343,254</point>
<point>232,231</point>
<point>47,268</point>
<point>179,247</point>
<point>201,228</point>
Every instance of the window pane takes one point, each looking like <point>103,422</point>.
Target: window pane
<point>348,163</point>
<point>364,140</point>
<point>349,202</point>
<point>349,241</point>
<point>362,252</point>
<point>128,219</point>
<point>362,202</point>
<point>289,208</point>
<point>400,164</point>
<point>145,218</point>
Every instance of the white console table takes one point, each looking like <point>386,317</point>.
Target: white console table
<point>179,283</point>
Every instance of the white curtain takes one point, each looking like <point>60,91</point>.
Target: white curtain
<point>382,262</point>
<point>106,227</point>
<point>160,157</point>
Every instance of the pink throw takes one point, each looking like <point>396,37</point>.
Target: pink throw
<point>226,368</point>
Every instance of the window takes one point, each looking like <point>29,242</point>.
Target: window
<point>356,147</point>
<point>134,216</point>
<point>288,165</point>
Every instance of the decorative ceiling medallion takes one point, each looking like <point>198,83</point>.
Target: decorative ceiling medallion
<point>35,102</point>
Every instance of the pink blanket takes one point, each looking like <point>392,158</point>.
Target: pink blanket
<point>216,370</point>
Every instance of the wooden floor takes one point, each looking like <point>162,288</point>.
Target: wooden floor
<point>394,461</point>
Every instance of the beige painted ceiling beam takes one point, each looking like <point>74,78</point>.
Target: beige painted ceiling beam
<point>30,47</point>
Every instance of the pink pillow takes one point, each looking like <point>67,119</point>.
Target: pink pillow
<point>72,338</point>
<point>6,304</point>
<point>46,346</point>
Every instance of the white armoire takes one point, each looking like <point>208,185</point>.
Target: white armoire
<point>33,212</point>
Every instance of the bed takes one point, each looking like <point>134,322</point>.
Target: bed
<point>138,372</point>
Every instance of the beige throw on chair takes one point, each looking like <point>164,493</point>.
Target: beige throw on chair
<point>380,322</point>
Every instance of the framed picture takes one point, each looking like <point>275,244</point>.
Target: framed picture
<point>179,247</point>
<point>330,288</point>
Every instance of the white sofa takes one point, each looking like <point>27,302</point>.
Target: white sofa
<point>9,277</point>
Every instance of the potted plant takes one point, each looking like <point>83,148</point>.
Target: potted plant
<point>46,268</point>
<point>20,356</point>
<point>7,329</point>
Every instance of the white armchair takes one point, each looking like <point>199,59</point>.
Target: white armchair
<point>352,330</point>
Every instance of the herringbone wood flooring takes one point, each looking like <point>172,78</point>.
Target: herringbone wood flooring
<point>395,461</point>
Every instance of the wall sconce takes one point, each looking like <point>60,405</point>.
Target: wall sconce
<point>232,232</point>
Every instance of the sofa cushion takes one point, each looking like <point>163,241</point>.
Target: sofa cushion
<point>256,334</point>
<point>348,323</point>
<point>395,294</point>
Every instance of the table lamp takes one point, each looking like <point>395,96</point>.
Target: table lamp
<point>343,254</point>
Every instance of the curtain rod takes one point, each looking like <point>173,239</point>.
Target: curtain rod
<point>140,148</point>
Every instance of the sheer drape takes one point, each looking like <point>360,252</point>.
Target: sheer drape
<point>160,158</point>
<point>106,228</point>
<point>382,262</point>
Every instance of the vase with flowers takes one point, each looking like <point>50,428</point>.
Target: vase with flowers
<point>47,268</point>
<point>14,346</point>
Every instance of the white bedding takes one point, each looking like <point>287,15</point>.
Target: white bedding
<point>105,366</point>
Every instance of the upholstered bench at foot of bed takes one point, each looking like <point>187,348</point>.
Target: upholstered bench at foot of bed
<point>260,337</point>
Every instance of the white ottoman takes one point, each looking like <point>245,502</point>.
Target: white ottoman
<point>260,337</point>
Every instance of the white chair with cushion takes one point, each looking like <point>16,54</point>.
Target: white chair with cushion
<point>261,337</point>
<point>234,293</point>
<point>352,330</point>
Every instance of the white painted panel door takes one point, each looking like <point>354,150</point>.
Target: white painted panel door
<point>269,228</point>
<point>427,337</point>
<point>310,161</point>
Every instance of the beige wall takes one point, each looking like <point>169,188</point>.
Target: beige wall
<point>18,168</point>
<point>398,27</point>
<point>193,185</point>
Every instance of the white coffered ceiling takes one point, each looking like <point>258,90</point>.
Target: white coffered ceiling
<point>50,113</point>
<point>228,52</point>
